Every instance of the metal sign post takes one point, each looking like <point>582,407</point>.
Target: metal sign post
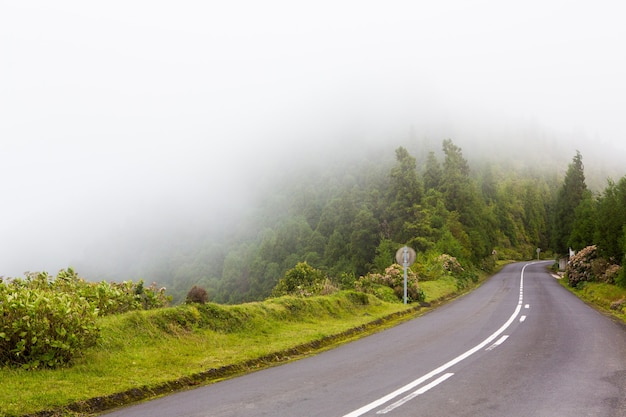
<point>405,256</point>
<point>405,261</point>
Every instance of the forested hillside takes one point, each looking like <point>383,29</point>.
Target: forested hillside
<point>347,217</point>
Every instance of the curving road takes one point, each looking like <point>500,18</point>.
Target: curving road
<point>520,345</point>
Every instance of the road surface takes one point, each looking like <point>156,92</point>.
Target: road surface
<point>520,345</point>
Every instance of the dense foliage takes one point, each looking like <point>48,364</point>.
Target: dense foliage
<point>43,327</point>
<point>303,280</point>
<point>588,266</point>
<point>389,285</point>
<point>46,321</point>
<point>596,229</point>
<point>570,195</point>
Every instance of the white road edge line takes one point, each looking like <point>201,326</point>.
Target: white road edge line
<point>415,394</point>
<point>377,403</point>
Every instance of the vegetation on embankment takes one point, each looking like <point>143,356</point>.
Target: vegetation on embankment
<point>597,281</point>
<point>141,354</point>
<point>607,298</point>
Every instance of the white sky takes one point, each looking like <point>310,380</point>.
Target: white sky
<point>113,112</point>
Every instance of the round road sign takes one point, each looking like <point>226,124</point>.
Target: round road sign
<point>409,253</point>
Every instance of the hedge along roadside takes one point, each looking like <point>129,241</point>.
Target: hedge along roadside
<point>46,321</point>
<point>42,328</point>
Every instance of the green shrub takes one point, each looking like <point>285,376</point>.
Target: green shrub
<point>611,274</point>
<point>108,298</point>
<point>112,298</point>
<point>303,280</point>
<point>46,321</point>
<point>463,279</point>
<point>620,279</point>
<point>392,278</point>
<point>43,328</point>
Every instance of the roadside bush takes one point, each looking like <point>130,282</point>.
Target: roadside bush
<point>43,328</point>
<point>45,321</point>
<point>587,266</point>
<point>433,265</point>
<point>464,278</point>
<point>304,281</point>
<point>579,269</point>
<point>197,295</point>
<point>392,278</point>
<point>610,274</point>
<point>113,297</point>
<point>450,264</point>
<point>108,298</point>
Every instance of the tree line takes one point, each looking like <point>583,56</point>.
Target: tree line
<point>349,219</point>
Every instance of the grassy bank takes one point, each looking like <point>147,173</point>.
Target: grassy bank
<point>607,298</point>
<point>150,353</point>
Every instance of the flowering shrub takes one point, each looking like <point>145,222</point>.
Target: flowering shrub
<point>450,264</point>
<point>611,274</point>
<point>586,266</point>
<point>579,269</point>
<point>394,279</point>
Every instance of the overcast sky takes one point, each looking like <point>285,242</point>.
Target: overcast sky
<point>115,112</point>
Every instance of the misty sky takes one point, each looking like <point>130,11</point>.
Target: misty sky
<point>117,115</point>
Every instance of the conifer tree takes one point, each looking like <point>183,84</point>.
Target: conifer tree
<point>570,195</point>
<point>610,234</point>
<point>432,172</point>
<point>405,195</point>
<point>461,195</point>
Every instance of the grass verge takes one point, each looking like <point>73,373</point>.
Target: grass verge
<point>151,353</point>
<point>608,299</point>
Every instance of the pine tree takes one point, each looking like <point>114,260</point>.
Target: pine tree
<point>432,172</point>
<point>461,195</point>
<point>610,234</point>
<point>405,195</point>
<point>569,197</point>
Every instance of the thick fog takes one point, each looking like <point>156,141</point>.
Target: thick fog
<point>137,119</point>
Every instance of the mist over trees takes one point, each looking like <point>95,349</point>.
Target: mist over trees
<point>348,216</point>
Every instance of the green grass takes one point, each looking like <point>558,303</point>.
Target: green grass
<point>439,289</point>
<point>152,350</point>
<point>149,348</point>
<point>601,296</point>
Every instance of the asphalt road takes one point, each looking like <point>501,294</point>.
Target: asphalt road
<point>520,345</point>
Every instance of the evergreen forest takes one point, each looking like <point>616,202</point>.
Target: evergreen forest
<point>348,219</point>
